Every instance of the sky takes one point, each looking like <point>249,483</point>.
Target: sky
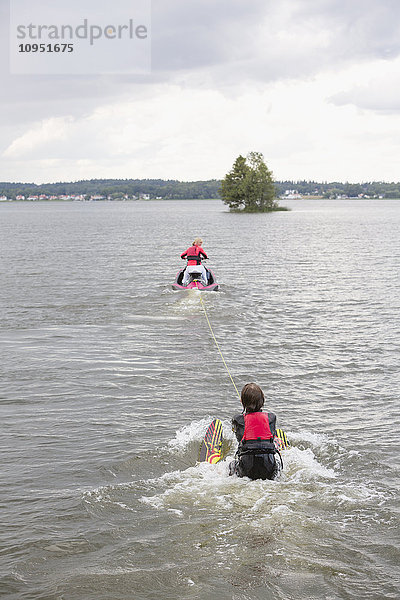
<point>312,84</point>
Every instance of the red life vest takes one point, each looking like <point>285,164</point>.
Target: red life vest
<point>256,426</point>
<point>193,254</point>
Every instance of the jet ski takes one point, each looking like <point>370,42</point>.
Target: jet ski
<point>196,281</point>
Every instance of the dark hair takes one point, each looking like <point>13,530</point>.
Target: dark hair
<point>252,397</point>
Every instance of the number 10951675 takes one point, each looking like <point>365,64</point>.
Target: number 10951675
<point>45,48</point>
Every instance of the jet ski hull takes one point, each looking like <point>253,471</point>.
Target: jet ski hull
<point>196,284</point>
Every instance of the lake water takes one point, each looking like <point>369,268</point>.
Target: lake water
<point>109,380</point>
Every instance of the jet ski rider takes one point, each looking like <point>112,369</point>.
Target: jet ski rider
<point>255,431</point>
<point>194,254</point>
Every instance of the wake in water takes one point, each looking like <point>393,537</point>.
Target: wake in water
<point>239,529</point>
<point>314,466</point>
<point>316,469</point>
<point>317,472</point>
<point>204,485</point>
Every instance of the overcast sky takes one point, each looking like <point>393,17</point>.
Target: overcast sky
<point>312,84</point>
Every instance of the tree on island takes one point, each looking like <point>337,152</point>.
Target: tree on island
<point>249,185</point>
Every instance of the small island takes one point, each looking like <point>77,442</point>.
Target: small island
<point>249,186</point>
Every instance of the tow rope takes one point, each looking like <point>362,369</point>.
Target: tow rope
<point>216,343</point>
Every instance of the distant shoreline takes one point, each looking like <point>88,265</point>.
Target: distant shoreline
<point>105,200</point>
<point>160,189</point>
<point>130,200</point>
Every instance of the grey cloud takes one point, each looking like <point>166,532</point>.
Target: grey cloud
<point>202,33</point>
<point>378,97</point>
<point>363,28</point>
<point>218,44</point>
<point>243,38</point>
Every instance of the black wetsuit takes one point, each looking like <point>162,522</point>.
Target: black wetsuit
<point>254,458</point>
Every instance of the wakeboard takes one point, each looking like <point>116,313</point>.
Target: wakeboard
<point>281,441</point>
<point>211,446</point>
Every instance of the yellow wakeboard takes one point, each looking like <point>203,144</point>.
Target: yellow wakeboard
<point>281,441</point>
<point>211,446</point>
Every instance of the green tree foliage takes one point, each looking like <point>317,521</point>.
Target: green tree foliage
<point>249,185</point>
<point>233,186</point>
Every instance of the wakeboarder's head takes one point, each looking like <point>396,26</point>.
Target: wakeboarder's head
<point>252,397</point>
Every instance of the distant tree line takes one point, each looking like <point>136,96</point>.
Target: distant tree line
<point>336,188</point>
<point>170,189</point>
<point>173,189</point>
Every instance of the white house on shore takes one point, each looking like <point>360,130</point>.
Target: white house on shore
<point>292,194</point>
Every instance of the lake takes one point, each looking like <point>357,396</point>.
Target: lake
<point>109,380</point>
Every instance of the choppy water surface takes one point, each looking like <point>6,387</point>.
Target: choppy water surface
<point>109,380</point>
